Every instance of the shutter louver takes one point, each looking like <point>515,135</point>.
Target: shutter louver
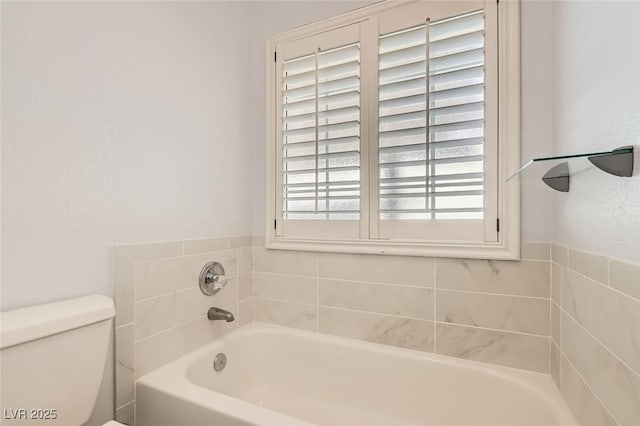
<point>321,135</point>
<point>431,120</point>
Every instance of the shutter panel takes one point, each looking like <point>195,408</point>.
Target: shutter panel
<point>431,120</point>
<point>320,136</point>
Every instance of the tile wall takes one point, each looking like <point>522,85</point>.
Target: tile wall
<point>595,336</point>
<point>160,310</point>
<point>491,311</point>
<point>585,307</point>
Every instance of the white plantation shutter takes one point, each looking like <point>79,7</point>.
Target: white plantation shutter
<point>320,135</point>
<point>386,129</point>
<point>432,123</point>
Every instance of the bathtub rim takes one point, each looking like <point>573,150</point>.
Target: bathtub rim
<point>172,378</point>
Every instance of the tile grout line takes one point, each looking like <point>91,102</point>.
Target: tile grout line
<point>123,326</point>
<point>180,290</point>
<point>286,274</point>
<point>560,319</point>
<point>133,338</point>
<point>549,351</point>
<point>317,293</point>
<point>239,284</point>
<point>435,294</point>
<point>561,304</point>
<point>388,284</point>
<point>598,341</point>
<point>253,278</point>
<point>484,293</point>
<point>157,259</point>
<point>550,305</point>
<point>418,287</point>
<point>588,386</point>
<point>275,299</point>
<point>125,404</point>
<point>228,306</point>
<point>180,324</point>
<point>560,325</point>
<point>522,333</point>
<point>588,331</point>
<point>404,317</point>
<point>292,302</point>
<point>606,286</point>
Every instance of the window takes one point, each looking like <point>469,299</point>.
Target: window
<point>390,131</point>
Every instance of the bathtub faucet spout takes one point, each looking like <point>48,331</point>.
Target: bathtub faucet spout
<point>219,314</point>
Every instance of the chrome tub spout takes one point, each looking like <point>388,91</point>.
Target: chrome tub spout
<point>219,314</point>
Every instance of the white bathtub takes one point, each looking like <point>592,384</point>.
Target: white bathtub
<point>280,376</point>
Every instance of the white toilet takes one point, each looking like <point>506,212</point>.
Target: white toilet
<point>52,360</point>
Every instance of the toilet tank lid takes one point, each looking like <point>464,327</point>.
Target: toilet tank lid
<point>34,322</point>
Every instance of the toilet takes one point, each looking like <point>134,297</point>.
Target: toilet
<point>52,360</point>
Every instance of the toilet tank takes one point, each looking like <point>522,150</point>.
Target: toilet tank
<point>52,359</point>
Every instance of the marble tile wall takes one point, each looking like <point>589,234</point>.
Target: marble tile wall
<point>160,310</point>
<point>491,311</point>
<point>595,336</point>
<point>572,313</point>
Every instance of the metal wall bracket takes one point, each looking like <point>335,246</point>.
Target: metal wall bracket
<point>618,163</point>
<point>558,177</point>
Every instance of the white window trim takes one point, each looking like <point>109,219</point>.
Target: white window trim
<point>508,245</point>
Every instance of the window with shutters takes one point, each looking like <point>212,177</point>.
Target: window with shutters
<point>390,130</point>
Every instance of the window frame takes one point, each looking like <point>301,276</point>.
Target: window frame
<point>507,246</point>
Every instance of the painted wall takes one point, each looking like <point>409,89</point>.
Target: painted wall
<point>596,104</point>
<point>536,116</point>
<point>122,122</point>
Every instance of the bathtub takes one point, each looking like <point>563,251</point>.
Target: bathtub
<point>280,376</point>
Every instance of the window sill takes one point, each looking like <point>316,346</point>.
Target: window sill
<point>491,251</point>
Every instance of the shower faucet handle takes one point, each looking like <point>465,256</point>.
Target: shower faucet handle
<point>212,278</point>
